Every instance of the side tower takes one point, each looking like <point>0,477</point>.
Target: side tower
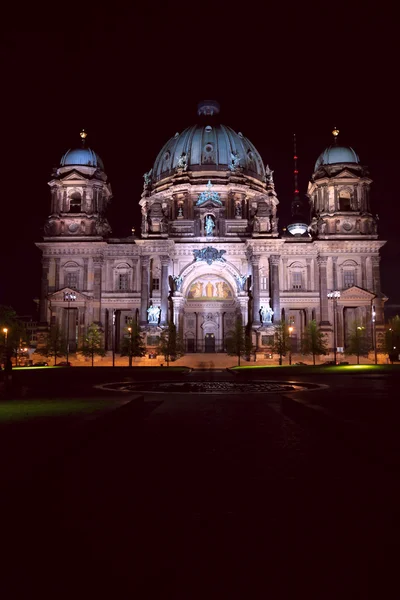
<point>79,197</point>
<point>74,237</point>
<point>339,193</point>
<point>347,246</point>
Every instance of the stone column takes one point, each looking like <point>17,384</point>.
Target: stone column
<point>44,289</point>
<point>309,278</point>
<point>376,278</point>
<point>364,272</point>
<point>334,273</point>
<point>323,290</point>
<point>145,289</point>
<point>164,289</point>
<point>85,273</point>
<point>340,325</point>
<point>177,302</point>
<point>255,262</point>
<point>56,274</point>
<point>274,261</point>
<point>244,308</point>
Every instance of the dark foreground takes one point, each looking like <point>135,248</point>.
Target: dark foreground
<point>193,496</point>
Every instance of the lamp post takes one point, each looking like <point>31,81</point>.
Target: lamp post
<point>374,334</point>
<point>130,346</point>
<point>5,331</point>
<point>290,345</point>
<point>68,297</point>
<point>358,342</point>
<point>334,295</point>
<point>113,337</point>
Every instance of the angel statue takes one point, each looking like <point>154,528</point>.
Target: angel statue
<point>209,225</point>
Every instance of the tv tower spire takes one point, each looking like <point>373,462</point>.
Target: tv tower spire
<point>298,226</point>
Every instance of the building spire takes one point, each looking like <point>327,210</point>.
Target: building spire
<point>295,170</point>
<point>83,135</point>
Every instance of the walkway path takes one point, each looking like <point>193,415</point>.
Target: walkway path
<point>214,497</point>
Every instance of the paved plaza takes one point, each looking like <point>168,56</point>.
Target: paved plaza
<point>189,495</point>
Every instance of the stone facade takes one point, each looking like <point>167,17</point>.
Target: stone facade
<point>210,247</point>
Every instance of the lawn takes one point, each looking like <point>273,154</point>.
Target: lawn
<point>24,410</point>
<point>322,368</point>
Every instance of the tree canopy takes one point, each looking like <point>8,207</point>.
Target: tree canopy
<point>132,345</point>
<point>93,343</point>
<point>170,344</point>
<point>314,340</point>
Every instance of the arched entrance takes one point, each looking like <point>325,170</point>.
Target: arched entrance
<point>209,342</point>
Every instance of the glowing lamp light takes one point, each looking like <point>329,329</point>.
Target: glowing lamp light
<point>295,157</point>
<point>298,228</point>
<point>290,330</point>
<point>83,134</point>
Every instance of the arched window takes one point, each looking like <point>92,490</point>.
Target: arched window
<point>297,280</point>
<point>349,270</point>
<point>75,202</point>
<point>344,200</point>
<point>349,278</point>
<point>122,278</point>
<point>71,275</point>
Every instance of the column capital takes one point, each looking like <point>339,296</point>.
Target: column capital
<point>165,260</point>
<point>255,259</point>
<point>322,260</point>
<point>375,260</point>
<point>145,261</point>
<point>46,261</point>
<point>275,259</point>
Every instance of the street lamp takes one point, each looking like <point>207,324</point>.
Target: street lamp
<point>68,297</point>
<point>5,331</point>
<point>374,333</point>
<point>334,295</point>
<point>130,346</point>
<point>290,346</point>
<point>113,338</point>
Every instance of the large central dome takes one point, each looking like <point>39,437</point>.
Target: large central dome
<point>208,146</point>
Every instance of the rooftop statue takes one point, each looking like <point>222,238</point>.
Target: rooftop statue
<point>209,195</point>
<point>269,175</point>
<point>209,225</point>
<point>235,161</point>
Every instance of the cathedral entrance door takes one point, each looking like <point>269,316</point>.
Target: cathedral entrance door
<point>209,342</point>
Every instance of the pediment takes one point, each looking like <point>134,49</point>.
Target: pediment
<point>59,295</point>
<point>74,175</point>
<point>346,173</point>
<point>357,293</point>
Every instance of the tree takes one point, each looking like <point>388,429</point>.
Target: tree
<point>392,339</point>
<point>93,343</point>
<point>56,344</point>
<point>133,344</point>
<point>14,334</point>
<point>170,344</point>
<point>314,341</point>
<point>282,340</point>
<point>358,341</point>
<point>236,343</point>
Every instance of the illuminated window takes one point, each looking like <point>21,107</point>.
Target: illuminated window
<point>296,280</point>
<point>75,203</point>
<point>156,283</point>
<point>123,282</point>
<point>348,278</point>
<point>71,280</point>
<point>264,284</point>
<point>344,201</point>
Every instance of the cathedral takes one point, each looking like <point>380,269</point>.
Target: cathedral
<point>210,249</point>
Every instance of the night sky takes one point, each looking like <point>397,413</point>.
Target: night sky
<point>133,78</point>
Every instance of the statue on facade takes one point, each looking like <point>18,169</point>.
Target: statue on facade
<point>180,212</point>
<point>153,314</point>
<point>241,282</point>
<point>182,162</point>
<point>266,313</point>
<point>209,225</point>
<point>238,210</point>
<point>178,283</point>
<point>235,161</point>
<point>269,175</point>
<point>147,178</point>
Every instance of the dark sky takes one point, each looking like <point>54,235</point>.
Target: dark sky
<point>132,78</point>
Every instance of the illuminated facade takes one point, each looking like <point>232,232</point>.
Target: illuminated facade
<point>210,248</point>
